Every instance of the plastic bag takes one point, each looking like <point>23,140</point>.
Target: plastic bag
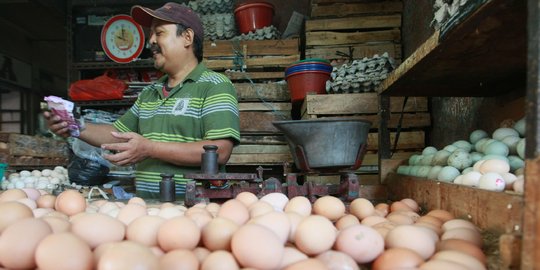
<point>87,151</point>
<point>87,172</point>
<point>100,88</point>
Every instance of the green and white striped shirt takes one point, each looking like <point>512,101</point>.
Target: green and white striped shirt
<point>203,107</point>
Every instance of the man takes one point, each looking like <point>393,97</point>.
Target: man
<point>172,119</point>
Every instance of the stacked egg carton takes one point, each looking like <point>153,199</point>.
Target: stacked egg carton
<point>217,17</point>
<point>360,75</point>
<point>444,10</point>
<point>268,32</point>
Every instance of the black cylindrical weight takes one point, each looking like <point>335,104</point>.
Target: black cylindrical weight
<point>209,164</point>
<point>167,188</point>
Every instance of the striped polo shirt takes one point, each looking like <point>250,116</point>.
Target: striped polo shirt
<point>203,107</point>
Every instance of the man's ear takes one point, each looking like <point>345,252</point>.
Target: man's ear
<point>189,36</point>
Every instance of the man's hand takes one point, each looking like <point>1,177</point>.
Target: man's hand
<point>56,125</point>
<point>134,149</point>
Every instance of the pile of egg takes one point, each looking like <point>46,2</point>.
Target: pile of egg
<point>494,163</point>
<point>45,179</point>
<point>271,232</point>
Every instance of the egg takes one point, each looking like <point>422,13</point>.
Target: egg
<point>477,135</point>
<point>259,208</point>
<point>144,230</point>
<point>251,253</point>
<point>294,220</point>
<point>441,214</point>
<point>291,255</point>
<point>201,253</point>
<point>130,212</point>
<point>170,237</point>
<point>247,198</point>
<point>519,184</point>
<point>471,179</point>
<point>19,241</point>
<point>137,200</point>
<point>492,181</point>
<point>219,259</point>
<point>63,251</point>
<point>235,211</point>
<point>411,237</point>
<point>442,264</point>
<point>494,165</point>
<point>460,159</point>
<point>459,257</point>
<point>361,208</point>
<point>467,234</point>
<point>277,222</point>
<point>97,229</point>
<point>70,202</point>
<point>278,200</point>
<point>458,223</point>
<point>441,158</point>
<point>520,148</point>
<point>368,221</point>
<point>300,205</point>
<point>361,242</point>
<point>434,172</point>
<point>12,195</point>
<point>501,133</point>
<point>400,206</point>
<point>46,201</point>
<point>179,259</point>
<point>315,234</point>
<point>12,212</point>
<point>330,207</point>
<point>217,234</point>
<point>496,148</point>
<point>337,260</point>
<point>462,246</point>
<point>58,225</point>
<point>397,258</point>
<point>127,255</point>
<point>448,174</point>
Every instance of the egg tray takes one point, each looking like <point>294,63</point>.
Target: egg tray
<point>199,190</point>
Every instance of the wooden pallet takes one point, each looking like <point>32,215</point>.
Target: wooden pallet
<point>357,29</point>
<point>254,54</point>
<point>27,151</point>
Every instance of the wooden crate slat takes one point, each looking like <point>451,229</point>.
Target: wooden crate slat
<point>359,51</point>
<point>237,159</point>
<point>262,91</point>
<point>222,48</point>
<point>348,9</point>
<point>254,75</point>
<point>260,106</point>
<point>355,23</point>
<point>261,121</point>
<point>408,140</point>
<point>356,103</point>
<point>262,139</point>
<point>255,62</point>
<point>34,146</point>
<point>261,149</point>
<point>339,38</point>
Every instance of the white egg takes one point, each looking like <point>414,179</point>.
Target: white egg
<point>46,172</point>
<point>36,173</point>
<point>494,165</point>
<point>278,200</point>
<point>471,178</point>
<point>492,181</point>
<point>25,173</point>
<point>477,165</point>
<point>509,179</point>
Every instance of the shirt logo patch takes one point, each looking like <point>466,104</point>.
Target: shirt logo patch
<point>181,106</point>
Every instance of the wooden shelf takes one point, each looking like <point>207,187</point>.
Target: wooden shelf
<point>484,55</point>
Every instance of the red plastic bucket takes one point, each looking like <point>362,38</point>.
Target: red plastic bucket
<point>303,82</point>
<point>251,16</point>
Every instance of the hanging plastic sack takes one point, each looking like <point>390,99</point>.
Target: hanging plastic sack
<point>100,88</point>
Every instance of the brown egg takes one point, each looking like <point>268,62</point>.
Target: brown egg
<point>412,204</point>
<point>12,212</point>
<point>346,221</point>
<point>97,229</point>
<point>179,259</point>
<point>337,260</point>
<point>361,208</point>
<point>40,212</point>
<point>373,220</point>
<point>247,198</point>
<point>399,218</point>
<point>431,219</point>
<point>201,253</point>
<point>32,193</point>
<point>277,222</point>
<point>330,207</point>
<point>219,260</point>
<point>382,209</point>
<point>235,211</point>
<point>201,219</point>
<point>458,223</point>
<point>170,237</point>
<point>70,202</point>
<point>172,212</point>
<point>470,235</point>
<point>300,205</point>
<point>19,241</point>
<point>64,251</point>
<point>131,212</point>
<point>294,220</point>
<point>28,202</point>
<point>314,235</point>
<point>291,255</point>
<point>399,206</point>
<point>157,251</point>
<point>260,208</point>
<point>12,195</point>
<point>435,229</point>
<point>415,238</point>
<point>462,246</point>
<point>311,264</point>
<point>127,255</point>
<point>137,200</point>
<point>251,245</point>
<point>361,242</point>
<point>459,257</point>
<point>443,215</point>
<point>217,234</point>
<point>144,230</point>
<point>397,258</point>
<point>58,225</point>
<point>213,208</point>
<point>46,201</point>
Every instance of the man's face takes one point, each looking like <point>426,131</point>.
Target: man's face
<point>167,48</point>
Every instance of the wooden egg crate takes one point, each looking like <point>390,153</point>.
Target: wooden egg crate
<point>25,150</point>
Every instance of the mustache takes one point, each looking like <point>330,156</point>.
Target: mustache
<point>155,48</point>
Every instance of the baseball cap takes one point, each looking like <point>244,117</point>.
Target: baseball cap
<point>170,12</point>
